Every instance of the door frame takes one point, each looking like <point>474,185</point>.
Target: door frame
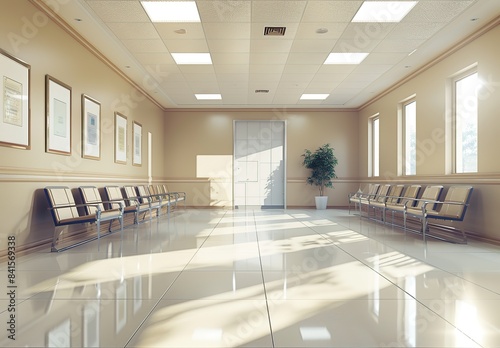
<point>284,122</point>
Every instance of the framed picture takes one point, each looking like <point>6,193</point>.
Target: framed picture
<point>120,138</point>
<point>15,102</point>
<point>91,128</point>
<point>137,140</point>
<point>58,116</point>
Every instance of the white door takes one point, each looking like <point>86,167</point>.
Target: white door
<point>259,164</point>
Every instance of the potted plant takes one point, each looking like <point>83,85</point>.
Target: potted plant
<point>322,163</point>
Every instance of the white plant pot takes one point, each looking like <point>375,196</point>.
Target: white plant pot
<point>321,202</point>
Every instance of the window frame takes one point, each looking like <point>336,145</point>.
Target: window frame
<point>404,104</point>
<point>374,146</point>
<point>455,121</point>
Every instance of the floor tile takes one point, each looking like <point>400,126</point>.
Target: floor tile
<point>361,323</point>
<point>252,278</point>
<point>206,323</point>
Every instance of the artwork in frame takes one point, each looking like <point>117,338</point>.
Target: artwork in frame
<point>58,116</point>
<point>137,139</point>
<point>91,128</point>
<point>15,116</point>
<point>120,138</point>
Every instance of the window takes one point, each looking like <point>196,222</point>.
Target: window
<point>465,88</point>
<point>374,151</point>
<point>410,137</point>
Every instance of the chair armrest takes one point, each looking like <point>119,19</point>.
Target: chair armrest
<point>424,206</point>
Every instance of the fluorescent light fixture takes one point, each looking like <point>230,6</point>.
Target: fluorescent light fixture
<point>208,96</point>
<point>345,58</point>
<point>383,11</point>
<point>171,11</point>
<point>192,58</point>
<point>314,96</point>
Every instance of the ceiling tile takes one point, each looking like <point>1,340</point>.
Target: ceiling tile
<point>196,69</point>
<point>278,11</point>
<point>270,45</point>
<point>227,31</point>
<point>322,46</point>
<point>308,31</point>
<point>358,46</point>
<point>125,31</point>
<point>437,11</point>
<point>360,33</point>
<point>266,69</point>
<point>268,58</point>
<point>119,11</point>
<point>170,31</point>
<point>398,45</point>
<point>230,58</point>
<point>227,46</point>
<point>307,58</point>
<point>186,46</point>
<point>331,11</point>
<point>231,77</point>
<point>154,58</point>
<point>300,69</point>
<point>223,11</point>
<point>145,45</point>
<point>412,30</point>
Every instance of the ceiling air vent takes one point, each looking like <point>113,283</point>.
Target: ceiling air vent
<point>261,91</point>
<point>274,31</point>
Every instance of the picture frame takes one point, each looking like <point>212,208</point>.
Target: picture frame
<point>15,103</point>
<point>120,138</point>
<point>137,144</point>
<point>91,128</point>
<point>58,116</point>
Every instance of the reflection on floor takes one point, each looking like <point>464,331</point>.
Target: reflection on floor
<point>251,278</point>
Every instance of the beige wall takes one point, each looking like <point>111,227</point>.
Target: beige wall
<point>433,160</point>
<point>193,133</point>
<point>189,135</point>
<point>51,50</point>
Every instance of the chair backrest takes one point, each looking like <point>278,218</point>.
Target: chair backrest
<point>409,195</point>
<point>154,190</point>
<point>114,193</point>
<point>91,195</point>
<point>430,193</point>
<point>144,192</point>
<point>457,194</point>
<point>130,191</point>
<point>383,193</point>
<point>395,193</point>
<point>373,189</point>
<point>59,196</point>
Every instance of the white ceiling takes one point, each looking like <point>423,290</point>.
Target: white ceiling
<point>244,60</point>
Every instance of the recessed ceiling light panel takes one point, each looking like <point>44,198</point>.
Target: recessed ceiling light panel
<point>192,58</point>
<point>208,96</point>
<point>171,11</point>
<point>345,58</point>
<point>314,96</point>
<point>383,11</point>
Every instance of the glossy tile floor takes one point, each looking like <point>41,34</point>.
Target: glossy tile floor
<point>294,278</point>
